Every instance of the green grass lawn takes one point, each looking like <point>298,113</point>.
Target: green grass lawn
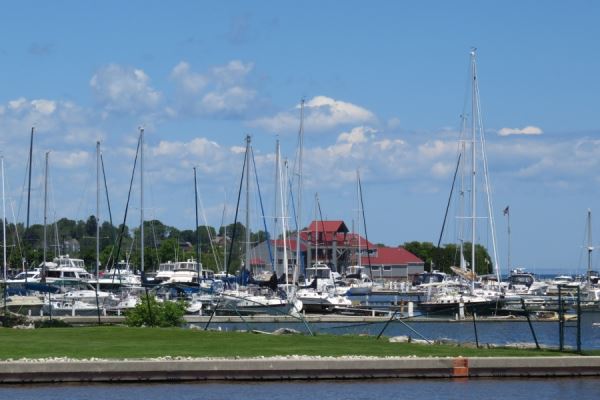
<point>122,342</point>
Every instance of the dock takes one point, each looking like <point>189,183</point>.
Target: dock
<point>294,367</point>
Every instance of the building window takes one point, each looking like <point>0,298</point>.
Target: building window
<point>374,267</point>
<point>387,267</point>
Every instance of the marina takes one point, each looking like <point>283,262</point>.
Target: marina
<point>275,200</point>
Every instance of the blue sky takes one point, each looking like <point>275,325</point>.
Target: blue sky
<point>385,84</point>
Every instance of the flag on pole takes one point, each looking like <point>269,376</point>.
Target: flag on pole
<point>506,210</point>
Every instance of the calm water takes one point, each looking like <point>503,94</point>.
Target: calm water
<point>500,332</point>
<point>513,389</point>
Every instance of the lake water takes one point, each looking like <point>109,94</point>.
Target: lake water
<point>430,389</point>
<point>493,332</point>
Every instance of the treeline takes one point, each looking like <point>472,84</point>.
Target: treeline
<point>448,255</point>
<point>161,243</point>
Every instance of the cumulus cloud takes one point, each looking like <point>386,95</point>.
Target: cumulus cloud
<point>51,116</point>
<point>359,134</point>
<point>321,113</point>
<point>70,159</point>
<point>221,91</point>
<point>528,130</point>
<point>325,113</point>
<point>124,89</point>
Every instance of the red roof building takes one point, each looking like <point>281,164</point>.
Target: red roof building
<point>393,264</point>
<point>331,243</point>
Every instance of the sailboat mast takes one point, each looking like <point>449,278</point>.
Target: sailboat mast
<point>282,186</point>
<point>97,215</point>
<point>276,221</point>
<point>317,228</point>
<point>299,211</point>
<point>461,230</point>
<point>4,232</point>
<point>248,140</point>
<point>28,193</point>
<point>29,183</point>
<point>473,165</point>
<point>45,215</point>
<point>141,199</point>
<point>590,247</point>
<point>358,218</point>
<point>197,229</point>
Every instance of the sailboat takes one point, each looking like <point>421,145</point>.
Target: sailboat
<point>456,295</point>
<point>246,299</point>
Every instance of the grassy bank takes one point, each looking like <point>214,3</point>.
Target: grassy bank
<point>122,342</point>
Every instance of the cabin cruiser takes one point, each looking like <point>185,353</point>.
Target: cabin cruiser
<point>566,283</point>
<point>165,272</point>
<point>425,279</point>
<point>357,281</point>
<point>524,283</point>
<point>62,271</point>
<point>186,272</point>
<point>119,276</point>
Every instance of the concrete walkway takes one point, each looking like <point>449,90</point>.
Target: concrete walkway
<point>285,368</point>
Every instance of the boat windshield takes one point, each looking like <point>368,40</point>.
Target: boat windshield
<point>321,273</point>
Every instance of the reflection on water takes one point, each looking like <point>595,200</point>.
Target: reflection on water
<point>430,389</point>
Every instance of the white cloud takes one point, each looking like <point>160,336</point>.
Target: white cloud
<point>189,81</point>
<point>221,91</point>
<point>359,134</point>
<point>48,116</point>
<point>437,148</point>
<point>69,159</point>
<point>322,113</point>
<point>124,89</point>
<point>232,100</point>
<point>528,130</point>
<point>45,107</point>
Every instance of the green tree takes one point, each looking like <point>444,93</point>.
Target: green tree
<point>149,312</point>
<point>449,255</point>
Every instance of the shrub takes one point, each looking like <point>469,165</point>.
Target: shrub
<point>149,312</point>
<point>9,320</point>
<point>51,323</point>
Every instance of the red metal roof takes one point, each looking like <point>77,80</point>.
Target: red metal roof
<point>343,239</point>
<point>327,226</point>
<point>392,256</point>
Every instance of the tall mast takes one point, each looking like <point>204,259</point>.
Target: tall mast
<point>283,182</point>
<point>248,140</point>
<point>97,215</point>
<point>486,174</point>
<point>299,210</point>
<point>276,221</point>
<point>461,230</point>
<point>197,230</point>
<point>473,165</point>
<point>358,260</point>
<point>590,247</point>
<point>4,232</point>
<point>45,216</point>
<point>141,199</point>
<point>29,184</point>
<point>28,192</point>
<point>317,228</point>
